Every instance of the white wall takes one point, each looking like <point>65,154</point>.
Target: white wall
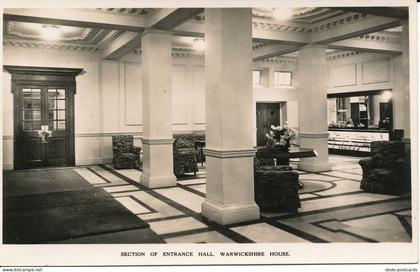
<point>87,99</point>
<point>109,95</point>
<point>108,99</point>
<point>362,72</point>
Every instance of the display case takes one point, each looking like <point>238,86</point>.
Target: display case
<point>354,140</point>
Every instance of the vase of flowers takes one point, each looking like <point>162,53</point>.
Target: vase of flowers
<point>280,136</point>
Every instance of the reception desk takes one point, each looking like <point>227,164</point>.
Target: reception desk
<point>354,140</point>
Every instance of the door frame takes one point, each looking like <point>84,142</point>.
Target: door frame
<point>256,113</point>
<point>44,77</point>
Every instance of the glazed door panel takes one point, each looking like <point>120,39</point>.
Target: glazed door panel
<point>38,107</point>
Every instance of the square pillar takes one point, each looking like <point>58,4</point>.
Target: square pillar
<point>401,92</point>
<point>229,112</point>
<point>312,97</point>
<point>157,110</point>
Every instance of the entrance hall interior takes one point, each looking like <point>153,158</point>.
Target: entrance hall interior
<point>150,125</point>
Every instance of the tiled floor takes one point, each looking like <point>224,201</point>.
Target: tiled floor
<point>335,211</point>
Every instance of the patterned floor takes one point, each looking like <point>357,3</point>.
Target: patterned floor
<point>335,210</point>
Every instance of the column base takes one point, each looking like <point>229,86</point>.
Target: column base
<point>158,182</point>
<point>314,167</point>
<point>231,214</point>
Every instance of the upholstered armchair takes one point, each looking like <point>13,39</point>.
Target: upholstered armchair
<point>386,171</point>
<point>276,186</point>
<point>125,154</point>
<point>185,155</point>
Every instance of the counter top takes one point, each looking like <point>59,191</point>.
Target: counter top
<point>359,130</point>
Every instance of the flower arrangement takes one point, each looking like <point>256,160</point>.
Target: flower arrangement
<point>280,136</point>
<point>44,134</point>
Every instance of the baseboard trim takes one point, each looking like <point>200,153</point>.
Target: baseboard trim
<point>91,161</point>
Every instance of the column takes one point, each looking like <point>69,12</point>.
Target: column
<point>157,110</point>
<point>229,111</point>
<point>401,92</point>
<point>312,97</point>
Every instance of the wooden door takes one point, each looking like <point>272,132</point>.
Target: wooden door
<point>267,114</point>
<point>37,106</point>
<point>43,98</point>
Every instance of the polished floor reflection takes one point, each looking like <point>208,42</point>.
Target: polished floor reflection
<point>334,209</point>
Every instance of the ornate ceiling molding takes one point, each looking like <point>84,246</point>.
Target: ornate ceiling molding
<point>384,37</point>
<point>129,11</point>
<point>260,45</point>
<point>110,38</point>
<point>11,32</point>
<point>339,21</point>
<point>340,54</point>
<point>282,60</point>
<point>49,45</point>
<point>279,27</point>
<point>180,53</point>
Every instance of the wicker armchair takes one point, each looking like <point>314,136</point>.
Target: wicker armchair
<point>185,154</point>
<point>276,187</point>
<point>386,171</point>
<point>125,154</point>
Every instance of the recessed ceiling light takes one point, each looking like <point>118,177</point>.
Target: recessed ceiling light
<point>51,33</point>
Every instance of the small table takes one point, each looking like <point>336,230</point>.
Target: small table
<point>298,152</point>
<point>199,145</point>
<point>294,153</point>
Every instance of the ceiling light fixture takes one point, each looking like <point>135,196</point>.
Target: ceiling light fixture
<point>199,44</point>
<point>282,13</point>
<point>51,33</point>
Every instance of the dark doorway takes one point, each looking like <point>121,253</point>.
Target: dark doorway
<point>43,101</point>
<point>267,114</point>
<point>385,113</point>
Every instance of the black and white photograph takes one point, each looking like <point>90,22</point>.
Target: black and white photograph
<point>181,134</point>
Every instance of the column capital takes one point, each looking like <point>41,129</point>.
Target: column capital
<point>223,154</point>
<point>157,141</point>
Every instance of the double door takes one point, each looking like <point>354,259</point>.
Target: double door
<point>267,114</point>
<point>43,122</point>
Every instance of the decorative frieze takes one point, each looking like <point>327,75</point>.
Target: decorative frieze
<point>380,37</point>
<point>129,11</point>
<point>282,59</point>
<point>110,38</point>
<point>339,54</point>
<point>48,45</point>
<point>259,45</point>
<point>280,27</point>
<point>180,53</point>
<point>339,21</point>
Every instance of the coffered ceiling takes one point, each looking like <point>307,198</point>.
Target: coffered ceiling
<point>115,32</point>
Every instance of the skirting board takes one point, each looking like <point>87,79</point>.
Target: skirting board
<point>93,161</point>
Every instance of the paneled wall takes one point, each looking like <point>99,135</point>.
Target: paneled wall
<point>87,100</point>
<point>109,93</point>
<point>362,72</point>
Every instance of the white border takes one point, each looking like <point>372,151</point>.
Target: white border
<point>109,255</point>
